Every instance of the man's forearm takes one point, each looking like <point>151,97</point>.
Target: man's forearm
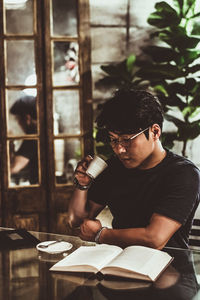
<point>77,208</point>
<point>127,237</point>
<point>155,235</point>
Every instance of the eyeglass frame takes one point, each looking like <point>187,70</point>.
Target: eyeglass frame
<point>117,142</point>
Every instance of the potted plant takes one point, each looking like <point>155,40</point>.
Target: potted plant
<point>170,69</point>
<point>173,70</point>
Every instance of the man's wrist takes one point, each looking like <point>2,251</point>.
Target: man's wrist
<point>98,234</point>
<point>79,186</point>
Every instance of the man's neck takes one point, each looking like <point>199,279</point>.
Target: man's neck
<point>154,158</point>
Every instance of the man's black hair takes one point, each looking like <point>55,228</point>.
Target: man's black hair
<point>25,106</point>
<point>129,111</point>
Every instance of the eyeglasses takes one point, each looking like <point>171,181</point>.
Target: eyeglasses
<point>125,142</point>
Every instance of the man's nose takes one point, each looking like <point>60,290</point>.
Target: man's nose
<point>120,149</point>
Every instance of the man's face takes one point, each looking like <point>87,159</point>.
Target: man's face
<point>27,123</point>
<point>133,153</point>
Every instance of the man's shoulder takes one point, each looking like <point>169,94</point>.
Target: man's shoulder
<point>177,162</point>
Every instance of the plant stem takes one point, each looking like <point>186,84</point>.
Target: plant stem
<point>184,148</point>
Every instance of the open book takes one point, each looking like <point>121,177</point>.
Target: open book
<point>133,262</point>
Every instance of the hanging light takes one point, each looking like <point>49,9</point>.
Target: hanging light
<point>31,80</point>
<point>14,4</point>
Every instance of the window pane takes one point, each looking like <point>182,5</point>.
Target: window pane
<point>20,63</point>
<point>64,18</point>
<point>65,60</point>
<point>67,155</point>
<point>19,17</point>
<point>66,112</point>
<point>23,162</point>
<point>21,112</point>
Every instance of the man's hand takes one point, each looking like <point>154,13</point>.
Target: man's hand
<point>80,172</point>
<point>89,229</point>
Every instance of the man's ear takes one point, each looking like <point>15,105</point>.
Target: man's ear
<point>156,130</point>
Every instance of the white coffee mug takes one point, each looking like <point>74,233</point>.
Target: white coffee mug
<point>96,166</point>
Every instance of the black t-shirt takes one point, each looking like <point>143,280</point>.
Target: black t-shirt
<point>28,149</point>
<point>170,189</point>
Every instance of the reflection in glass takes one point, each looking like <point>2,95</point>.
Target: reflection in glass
<point>20,61</point>
<point>64,19</point>
<point>21,112</point>
<point>65,57</point>
<point>19,17</point>
<point>23,277</point>
<point>66,112</point>
<point>23,162</point>
<point>67,155</point>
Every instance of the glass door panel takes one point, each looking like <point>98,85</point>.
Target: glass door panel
<point>64,18</point>
<point>67,153</point>
<point>20,62</point>
<point>19,17</point>
<point>21,113</point>
<point>65,61</point>
<point>66,112</point>
<point>23,162</point>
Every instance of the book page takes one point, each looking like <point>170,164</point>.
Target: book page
<point>142,260</point>
<point>94,256</point>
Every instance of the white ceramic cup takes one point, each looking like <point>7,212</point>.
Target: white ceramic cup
<point>96,166</point>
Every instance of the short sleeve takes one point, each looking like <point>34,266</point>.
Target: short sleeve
<point>180,193</point>
<point>28,149</point>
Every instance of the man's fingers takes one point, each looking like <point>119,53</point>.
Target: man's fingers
<point>80,172</point>
<point>84,163</point>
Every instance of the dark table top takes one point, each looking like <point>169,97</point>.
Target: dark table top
<point>25,275</point>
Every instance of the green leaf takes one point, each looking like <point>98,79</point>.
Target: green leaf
<point>172,100</point>
<point>193,69</point>
<point>114,69</point>
<point>195,113</point>
<point>130,62</point>
<point>175,120</point>
<point>178,38</point>
<point>188,111</point>
<point>107,82</point>
<point>153,71</point>
<point>175,87</point>
<point>160,21</point>
<point>159,88</point>
<point>161,54</point>
<point>188,56</point>
<point>165,8</point>
<point>189,131</point>
<point>189,85</point>
<point>164,16</point>
<point>168,139</point>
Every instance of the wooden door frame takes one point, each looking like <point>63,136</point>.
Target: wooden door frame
<point>47,201</point>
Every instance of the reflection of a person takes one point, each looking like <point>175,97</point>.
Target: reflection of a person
<point>25,162</point>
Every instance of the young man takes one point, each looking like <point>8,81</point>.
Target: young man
<point>151,192</point>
